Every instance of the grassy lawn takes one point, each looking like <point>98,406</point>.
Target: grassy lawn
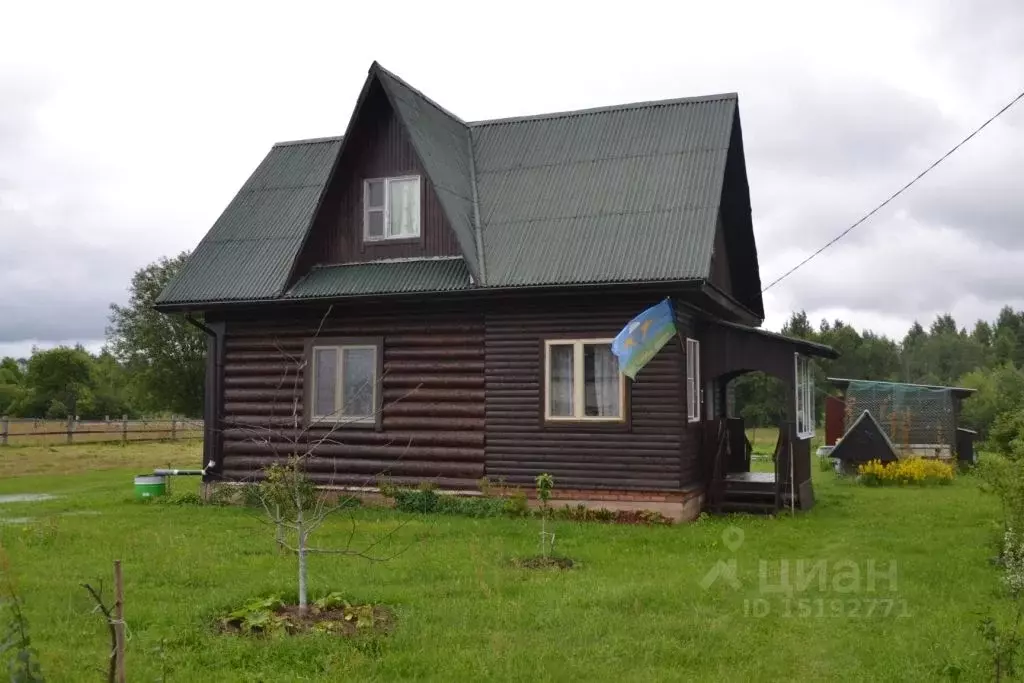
<point>635,610</point>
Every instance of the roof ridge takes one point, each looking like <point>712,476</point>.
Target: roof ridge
<point>378,67</point>
<point>308,141</point>
<point>607,108</point>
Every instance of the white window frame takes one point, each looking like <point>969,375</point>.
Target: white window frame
<point>693,388</point>
<point>803,392</point>
<point>579,384</point>
<point>339,380</point>
<point>386,209</point>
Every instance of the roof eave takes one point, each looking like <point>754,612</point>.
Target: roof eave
<point>743,313</point>
<point>468,292</point>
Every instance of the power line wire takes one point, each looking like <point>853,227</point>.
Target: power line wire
<point>878,208</point>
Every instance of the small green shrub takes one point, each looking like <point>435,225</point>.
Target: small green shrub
<point>423,501</point>
<point>427,501</point>
<point>516,504</point>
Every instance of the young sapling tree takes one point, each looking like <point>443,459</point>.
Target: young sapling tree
<point>545,483</point>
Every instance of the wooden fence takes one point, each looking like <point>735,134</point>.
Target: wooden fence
<point>38,432</point>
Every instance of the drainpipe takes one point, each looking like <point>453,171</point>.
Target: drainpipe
<point>213,394</point>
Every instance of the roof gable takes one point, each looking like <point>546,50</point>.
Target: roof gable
<point>442,144</point>
<point>738,225</point>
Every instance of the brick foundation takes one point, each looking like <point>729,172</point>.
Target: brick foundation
<point>680,506</point>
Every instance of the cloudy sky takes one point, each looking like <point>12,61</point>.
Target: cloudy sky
<point>125,129</point>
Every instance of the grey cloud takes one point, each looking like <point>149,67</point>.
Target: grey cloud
<point>917,272</point>
<point>57,276</point>
<point>842,128</point>
<point>982,197</point>
<point>980,42</point>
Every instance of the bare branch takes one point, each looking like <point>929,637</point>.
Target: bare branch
<point>98,599</point>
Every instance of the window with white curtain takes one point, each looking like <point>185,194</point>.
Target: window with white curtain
<point>344,383</point>
<point>391,208</point>
<point>804,384</point>
<point>693,388</point>
<point>582,381</point>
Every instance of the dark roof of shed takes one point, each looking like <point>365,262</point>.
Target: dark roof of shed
<point>383,277</point>
<point>959,392</point>
<point>618,194</point>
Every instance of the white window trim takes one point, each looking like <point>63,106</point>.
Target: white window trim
<point>803,395</point>
<point>578,384</point>
<point>693,387</point>
<point>339,415</point>
<point>386,209</point>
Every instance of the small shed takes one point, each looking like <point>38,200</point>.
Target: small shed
<point>918,419</point>
<point>864,441</point>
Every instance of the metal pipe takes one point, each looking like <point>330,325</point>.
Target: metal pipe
<point>213,387</point>
<point>175,473</point>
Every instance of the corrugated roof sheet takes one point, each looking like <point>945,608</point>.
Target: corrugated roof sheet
<point>383,277</point>
<point>611,195</point>
<point>619,194</point>
<point>249,251</point>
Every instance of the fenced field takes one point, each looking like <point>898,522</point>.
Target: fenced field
<point>881,584</point>
<point>35,432</point>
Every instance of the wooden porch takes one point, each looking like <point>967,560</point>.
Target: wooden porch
<point>731,484</point>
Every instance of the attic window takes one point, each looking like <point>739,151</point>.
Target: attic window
<point>391,208</point>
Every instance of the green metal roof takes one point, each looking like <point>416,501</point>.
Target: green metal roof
<point>619,194</point>
<point>249,252</point>
<point>383,277</point>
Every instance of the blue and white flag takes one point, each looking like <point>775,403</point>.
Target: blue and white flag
<point>643,337</point>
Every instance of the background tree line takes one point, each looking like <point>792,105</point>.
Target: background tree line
<point>151,364</point>
<point>988,357</point>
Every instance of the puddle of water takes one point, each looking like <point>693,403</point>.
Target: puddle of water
<point>25,497</point>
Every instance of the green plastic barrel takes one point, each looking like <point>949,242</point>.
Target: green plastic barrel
<point>148,486</point>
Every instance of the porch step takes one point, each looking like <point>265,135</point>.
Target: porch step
<point>750,507</point>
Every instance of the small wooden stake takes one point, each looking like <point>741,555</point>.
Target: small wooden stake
<point>5,427</point>
<point>124,429</point>
<point>119,621</point>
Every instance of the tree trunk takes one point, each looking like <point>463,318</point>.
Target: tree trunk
<point>280,527</point>
<point>303,557</point>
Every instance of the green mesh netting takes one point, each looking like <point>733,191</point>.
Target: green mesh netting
<point>908,413</point>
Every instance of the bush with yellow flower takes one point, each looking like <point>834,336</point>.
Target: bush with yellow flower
<point>906,471</point>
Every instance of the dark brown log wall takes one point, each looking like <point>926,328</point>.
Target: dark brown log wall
<point>432,424</point>
<point>378,146</point>
<point>656,450</point>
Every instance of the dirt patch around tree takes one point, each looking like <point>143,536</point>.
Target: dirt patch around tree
<point>541,562</point>
<point>331,614</point>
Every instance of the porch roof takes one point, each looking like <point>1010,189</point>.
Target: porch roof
<point>801,345</point>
